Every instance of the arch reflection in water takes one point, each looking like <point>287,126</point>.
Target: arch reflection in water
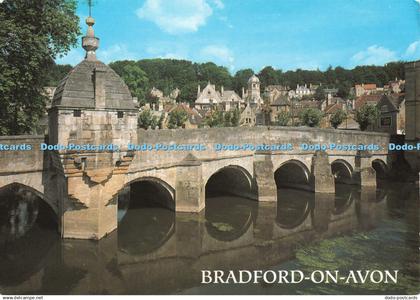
<point>344,197</point>
<point>342,171</point>
<point>146,217</point>
<point>294,199</point>
<point>293,207</point>
<point>229,209</point>
<point>229,217</point>
<point>28,233</point>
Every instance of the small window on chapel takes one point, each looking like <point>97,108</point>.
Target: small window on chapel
<point>77,113</point>
<point>120,114</point>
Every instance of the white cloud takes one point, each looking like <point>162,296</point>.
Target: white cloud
<point>218,54</point>
<point>176,16</point>
<point>413,49</point>
<point>115,52</point>
<point>171,55</point>
<point>374,55</point>
<point>220,5</point>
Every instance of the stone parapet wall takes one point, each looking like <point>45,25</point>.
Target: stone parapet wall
<point>254,136</point>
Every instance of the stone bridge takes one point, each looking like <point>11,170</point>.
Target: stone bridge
<point>83,191</point>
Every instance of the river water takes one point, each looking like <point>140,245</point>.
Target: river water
<point>157,251</point>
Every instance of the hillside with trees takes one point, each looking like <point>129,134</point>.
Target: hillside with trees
<point>167,74</point>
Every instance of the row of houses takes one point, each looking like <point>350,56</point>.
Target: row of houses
<point>257,108</point>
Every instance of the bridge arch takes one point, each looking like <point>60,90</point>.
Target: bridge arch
<point>231,180</point>
<point>380,167</point>
<point>34,190</point>
<point>342,171</point>
<point>160,187</point>
<point>292,174</point>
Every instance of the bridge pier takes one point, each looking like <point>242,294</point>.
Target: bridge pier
<point>364,174</point>
<point>91,204</point>
<point>189,188</point>
<point>264,176</point>
<point>321,211</point>
<point>322,180</point>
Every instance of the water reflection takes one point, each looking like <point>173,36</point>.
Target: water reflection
<point>25,242</point>
<point>18,211</point>
<point>293,207</point>
<point>228,218</point>
<point>344,197</point>
<point>158,251</point>
<point>145,221</point>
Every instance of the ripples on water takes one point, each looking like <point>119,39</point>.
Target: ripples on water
<point>157,251</point>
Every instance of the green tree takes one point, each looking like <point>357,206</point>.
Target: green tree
<point>366,115</point>
<point>235,118</point>
<point>319,93</point>
<point>136,80</point>
<point>268,76</point>
<point>56,73</point>
<point>177,119</point>
<point>337,118</point>
<point>147,119</point>
<point>283,118</point>
<point>240,80</point>
<point>32,35</point>
<point>216,119</point>
<point>311,117</point>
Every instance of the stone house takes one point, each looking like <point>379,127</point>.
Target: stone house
<point>365,89</point>
<point>194,117</point>
<point>248,116</point>
<point>392,114</point>
<point>209,98</point>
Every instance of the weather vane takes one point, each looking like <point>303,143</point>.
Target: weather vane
<point>90,3</point>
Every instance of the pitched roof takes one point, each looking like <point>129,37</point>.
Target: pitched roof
<point>77,88</point>
<point>333,108</point>
<point>193,115</point>
<point>227,94</point>
<point>281,100</point>
<point>367,86</point>
<point>367,99</point>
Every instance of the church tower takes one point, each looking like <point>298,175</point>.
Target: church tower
<point>253,95</point>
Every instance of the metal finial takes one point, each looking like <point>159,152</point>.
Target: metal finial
<point>89,42</point>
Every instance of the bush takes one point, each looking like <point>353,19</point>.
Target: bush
<point>177,118</point>
<point>338,117</point>
<point>366,116</point>
<point>283,118</point>
<point>147,119</point>
<point>311,117</point>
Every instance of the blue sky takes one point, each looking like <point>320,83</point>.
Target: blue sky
<point>285,34</point>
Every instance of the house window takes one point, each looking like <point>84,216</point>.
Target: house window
<point>386,122</point>
<point>120,114</point>
<point>77,113</point>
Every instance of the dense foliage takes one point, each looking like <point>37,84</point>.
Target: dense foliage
<point>366,116</point>
<point>222,119</point>
<point>283,118</point>
<point>32,35</point>
<point>337,118</point>
<point>147,120</point>
<point>168,74</point>
<point>177,119</point>
<point>311,117</point>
